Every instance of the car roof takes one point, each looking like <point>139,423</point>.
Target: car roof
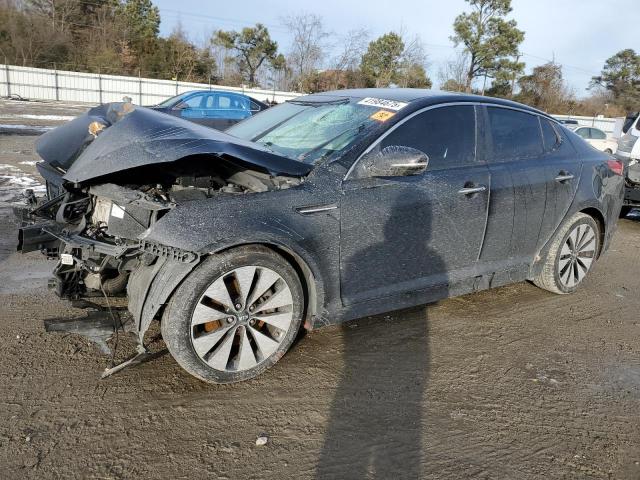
<point>422,97</point>
<point>189,92</point>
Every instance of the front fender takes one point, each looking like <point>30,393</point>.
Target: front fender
<point>270,218</point>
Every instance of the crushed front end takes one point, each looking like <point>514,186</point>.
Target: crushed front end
<point>111,175</point>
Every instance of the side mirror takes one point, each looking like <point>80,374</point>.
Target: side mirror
<point>394,161</point>
<point>181,106</point>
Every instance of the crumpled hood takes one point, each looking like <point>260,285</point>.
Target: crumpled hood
<point>136,136</point>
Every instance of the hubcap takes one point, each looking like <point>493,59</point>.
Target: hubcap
<point>576,255</point>
<point>242,318</point>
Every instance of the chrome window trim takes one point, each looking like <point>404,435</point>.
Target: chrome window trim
<point>433,107</point>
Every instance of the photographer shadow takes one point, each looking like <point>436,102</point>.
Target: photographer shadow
<point>377,416</point>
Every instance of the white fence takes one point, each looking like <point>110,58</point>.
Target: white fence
<point>43,84</point>
<point>611,126</point>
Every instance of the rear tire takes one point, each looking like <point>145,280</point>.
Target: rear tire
<point>235,315</point>
<point>571,256</point>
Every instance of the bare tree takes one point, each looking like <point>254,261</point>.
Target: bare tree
<point>354,44</point>
<point>413,62</point>
<point>308,44</point>
<point>452,75</point>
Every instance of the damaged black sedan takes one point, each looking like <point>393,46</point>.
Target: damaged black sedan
<point>330,207</point>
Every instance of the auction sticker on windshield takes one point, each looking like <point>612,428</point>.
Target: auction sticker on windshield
<point>382,103</point>
<point>382,115</point>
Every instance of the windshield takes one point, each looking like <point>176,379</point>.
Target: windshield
<point>310,131</point>
<point>170,101</point>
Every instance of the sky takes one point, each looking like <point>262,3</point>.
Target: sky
<point>579,34</point>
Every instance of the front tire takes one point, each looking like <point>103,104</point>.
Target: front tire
<point>571,255</point>
<point>235,315</point>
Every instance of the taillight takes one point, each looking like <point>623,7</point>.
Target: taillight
<point>616,166</point>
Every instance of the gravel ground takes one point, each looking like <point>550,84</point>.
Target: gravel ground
<point>39,112</point>
<point>510,383</point>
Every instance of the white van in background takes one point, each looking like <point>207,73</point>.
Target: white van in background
<point>629,152</point>
<point>631,132</point>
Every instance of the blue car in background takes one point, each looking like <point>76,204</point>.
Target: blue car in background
<point>213,108</point>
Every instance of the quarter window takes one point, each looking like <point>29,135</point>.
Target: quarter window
<point>549,135</point>
<point>446,134</point>
<point>515,135</point>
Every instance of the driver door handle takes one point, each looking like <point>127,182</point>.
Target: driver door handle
<point>564,177</point>
<point>472,190</point>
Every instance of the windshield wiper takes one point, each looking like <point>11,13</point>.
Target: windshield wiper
<point>357,129</point>
<point>312,103</point>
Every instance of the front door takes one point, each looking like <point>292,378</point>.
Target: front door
<point>407,234</point>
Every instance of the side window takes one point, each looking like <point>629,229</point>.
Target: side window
<point>210,102</point>
<point>598,134</point>
<point>549,136</point>
<point>446,134</point>
<point>583,132</point>
<point>194,101</point>
<point>514,134</point>
<point>224,101</point>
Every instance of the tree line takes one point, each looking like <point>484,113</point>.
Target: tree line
<point>122,37</point>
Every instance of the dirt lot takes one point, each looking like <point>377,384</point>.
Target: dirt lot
<point>514,383</point>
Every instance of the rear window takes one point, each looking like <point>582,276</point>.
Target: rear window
<point>515,135</point>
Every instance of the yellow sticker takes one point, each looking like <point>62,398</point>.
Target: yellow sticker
<point>382,115</point>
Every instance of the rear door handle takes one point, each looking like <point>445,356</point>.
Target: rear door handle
<point>564,177</point>
<point>472,190</point>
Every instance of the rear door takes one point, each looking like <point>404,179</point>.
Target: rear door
<point>563,175</point>
<point>598,139</point>
<point>519,195</point>
<point>229,109</point>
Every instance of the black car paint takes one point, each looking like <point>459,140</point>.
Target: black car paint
<point>323,224</point>
<point>325,242</point>
<point>138,137</point>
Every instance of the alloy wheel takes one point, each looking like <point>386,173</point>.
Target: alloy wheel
<point>577,255</point>
<point>242,318</point>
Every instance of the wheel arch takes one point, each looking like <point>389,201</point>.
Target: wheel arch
<point>310,279</point>
<point>599,218</point>
<point>590,210</point>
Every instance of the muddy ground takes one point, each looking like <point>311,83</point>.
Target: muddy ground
<point>514,383</point>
